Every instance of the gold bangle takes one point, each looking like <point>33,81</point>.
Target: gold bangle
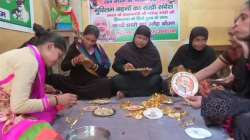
<point>96,67</point>
<point>72,62</point>
<point>93,67</point>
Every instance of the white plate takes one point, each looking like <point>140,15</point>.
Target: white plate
<point>184,84</point>
<point>198,133</point>
<point>90,108</point>
<point>153,113</point>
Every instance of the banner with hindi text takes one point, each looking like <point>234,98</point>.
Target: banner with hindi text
<point>118,19</point>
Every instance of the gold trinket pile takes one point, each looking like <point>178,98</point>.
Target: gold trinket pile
<point>136,111</point>
<point>125,105</point>
<point>154,101</point>
<point>174,112</point>
<point>138,114</point>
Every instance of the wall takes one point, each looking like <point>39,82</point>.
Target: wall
<point>216,15</point>
<point>12,39</point>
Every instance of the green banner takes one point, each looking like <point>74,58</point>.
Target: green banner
<point>17,15</point>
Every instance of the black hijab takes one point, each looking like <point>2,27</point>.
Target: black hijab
<point>189,57</point>
<point>140,57</point>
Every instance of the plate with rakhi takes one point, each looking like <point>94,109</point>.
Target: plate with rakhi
<point>90,108</point>
<point>100,101</point>
<point>104,112</point>
<point>135,107</point>
<point>184,84</point>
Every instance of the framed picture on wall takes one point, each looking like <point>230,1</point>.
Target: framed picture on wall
<point>17,15</point>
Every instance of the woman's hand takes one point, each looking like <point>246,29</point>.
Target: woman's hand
<point>88,63</point>
<point>243,45</point>
<point>78,59</point>
<point>146,72</point>
<point>227,82</point>
<point>238,49</point>
<point>119,95</point>
<point>50,89</point>
<point>194,101</point>
<point>67,99</point>
<point>128,66</point>
<point>205,88</point>
<point>229,79</point>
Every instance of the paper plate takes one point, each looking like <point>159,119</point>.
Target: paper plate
<point>153,113</point>
<point>100,101</point>
<point>90,108</point>
<point>198,133</point>
<point>184,84</point>
<point>104,112</point>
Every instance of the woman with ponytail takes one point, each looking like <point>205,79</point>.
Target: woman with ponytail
<point>25,110</point>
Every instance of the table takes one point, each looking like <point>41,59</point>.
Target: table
<point>126,128</point>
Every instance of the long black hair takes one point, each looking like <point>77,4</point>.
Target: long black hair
<point>43,36</point>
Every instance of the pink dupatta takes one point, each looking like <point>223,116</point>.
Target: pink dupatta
<point>38,91</point>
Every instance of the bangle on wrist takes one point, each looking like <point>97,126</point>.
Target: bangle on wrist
<point>96,67</point>
<point>72,62</point>
<point>45,102</point>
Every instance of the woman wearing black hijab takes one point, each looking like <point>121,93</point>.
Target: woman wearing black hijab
<point>195,55</point>
<point>140,53</point>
